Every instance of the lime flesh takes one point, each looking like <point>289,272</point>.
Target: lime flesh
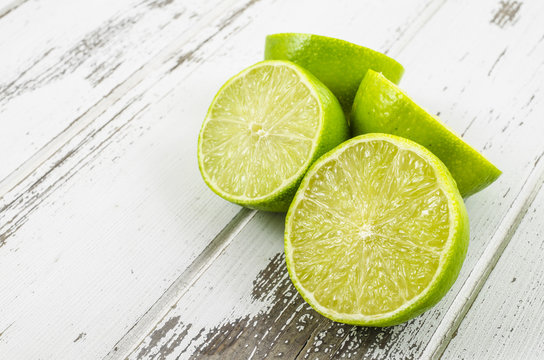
<point>262,131</point>
<point>380,106</point>
<point>377,232</point>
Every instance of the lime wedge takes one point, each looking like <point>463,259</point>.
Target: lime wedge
<point>380,106</point>
<point>263,130</point>
<point>339,64</point>
<point>377,232</point>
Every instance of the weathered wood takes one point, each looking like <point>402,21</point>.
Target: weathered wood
<point>478,275</point>
<point>506,320</point>
<point>472,85</point>
<point>26,187</point>
<point>214,320</point>
<point>108,225</point>
<point>69,60</point>
<point>95,235</point>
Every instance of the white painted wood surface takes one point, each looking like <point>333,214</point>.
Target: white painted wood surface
<point>58,80</point>
<point>111,245</point>
<point>505,321</point>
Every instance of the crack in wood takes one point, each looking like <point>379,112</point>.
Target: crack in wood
<point>496,61</point>
<point>406,35</point>
<point>159,3</point>
<point>469,126</point>
<point>101,73</point>
<point>133,338</point>
<point>6,329</point>
<point>11,7</point>
<point>230,339</point>
<point>288,328</point>
<point>161,332</point>
<point>5,89</point>
<point>190,54</point>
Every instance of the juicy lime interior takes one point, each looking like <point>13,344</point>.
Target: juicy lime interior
<point>264,122</point>
<point>368,232</point>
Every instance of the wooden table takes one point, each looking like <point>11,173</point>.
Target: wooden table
<point>111,246</point>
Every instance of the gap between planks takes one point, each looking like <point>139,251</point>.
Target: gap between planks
<point>180,286</point>
<point>410,33</point>
<point>479,274</point>
<point>10,7</point>
<point>145,325</point>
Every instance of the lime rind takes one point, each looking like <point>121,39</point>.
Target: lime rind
<point>339,64</point>
<point>450,261</point>
<point>381,106</point>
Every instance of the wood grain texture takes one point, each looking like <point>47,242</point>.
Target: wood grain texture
<point>506,320</point>
<point>25,188</point>
<point>101,231</point>
<point>67,57</point>
<point>472,86</point>
<point>222,318</point>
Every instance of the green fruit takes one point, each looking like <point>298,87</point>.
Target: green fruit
<point>377,232</point>
<point>339,64</point>
<point>380,106</point>
<point>263,130</point>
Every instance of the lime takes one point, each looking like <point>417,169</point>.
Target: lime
<point>339,64</point>
<point>380,106</point>
<point>377,232</point>
<point>263,130</point>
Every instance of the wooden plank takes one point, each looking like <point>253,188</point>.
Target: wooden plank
<point>7,6</point>
<point>506,320</point>
<point>119,212</point>
<point>55,78</point>
<point>225,318</point>
<point>24,188</point>
<point>481,92</point>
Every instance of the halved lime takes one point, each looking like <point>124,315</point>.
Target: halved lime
<point>376,233</point>
<point>263,130</point>
<point>339,64</point>
<point>380,106</point>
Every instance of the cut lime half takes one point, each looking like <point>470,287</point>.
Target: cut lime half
<point>263,130</point>
<point>376,233</point>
